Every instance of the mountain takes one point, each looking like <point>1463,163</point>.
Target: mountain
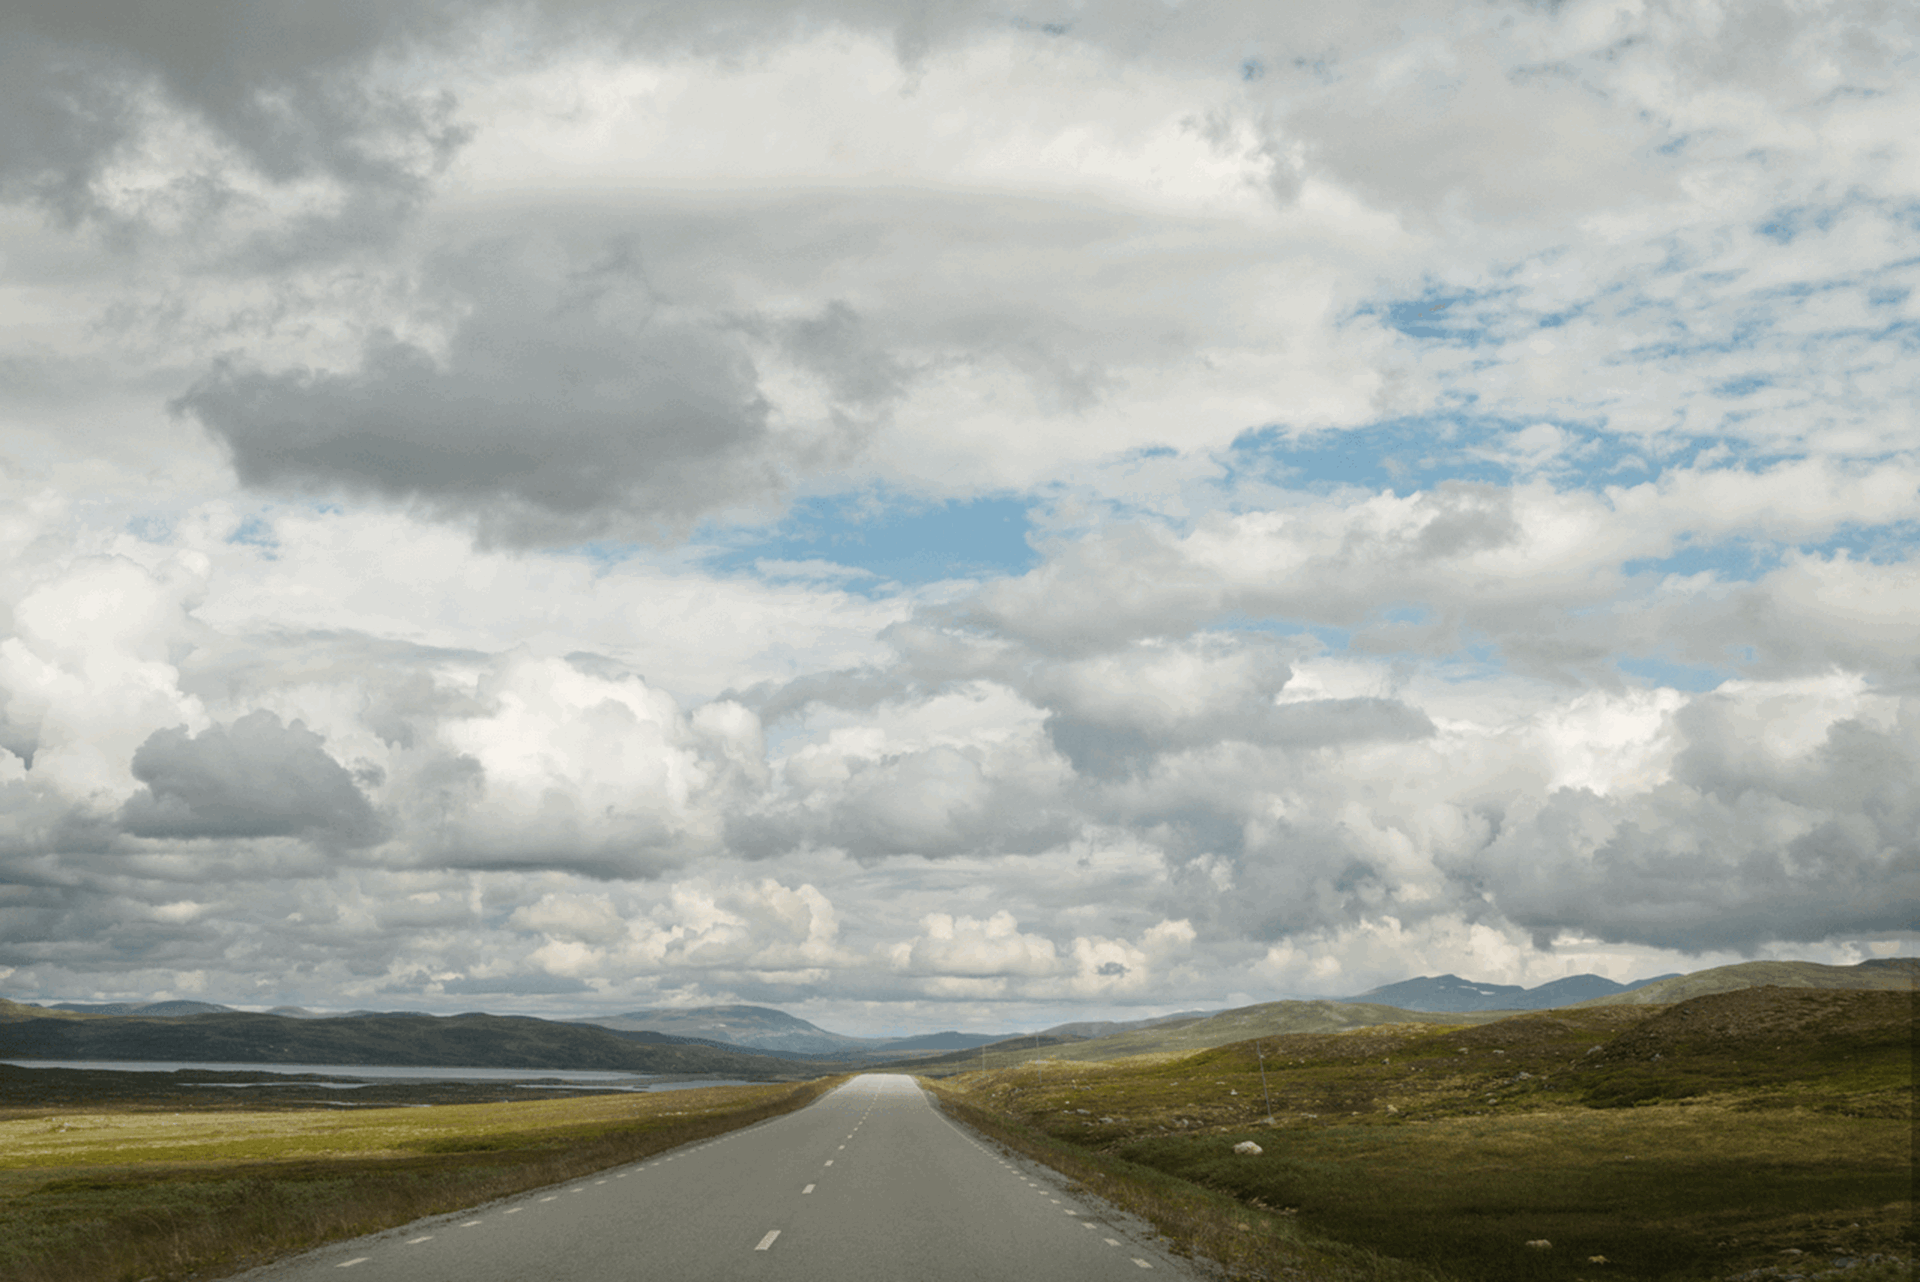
<point>1108,1027</point>
<point>948,1041</point>
<point>426,1041</point>
<point>763,1028</point>
<point>148,1010</point>
<point>1181,1037</point>
<point>1879,972</point>
<point>1443,993</point>
<point>759,1027</point>
<point>1450,993</point>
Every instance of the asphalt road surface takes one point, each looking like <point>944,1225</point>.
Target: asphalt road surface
<point>870,1182</point>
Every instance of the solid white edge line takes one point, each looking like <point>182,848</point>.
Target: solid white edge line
<point>767,1241</point>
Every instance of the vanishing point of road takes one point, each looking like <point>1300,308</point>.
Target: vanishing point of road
<point>870,1183</point>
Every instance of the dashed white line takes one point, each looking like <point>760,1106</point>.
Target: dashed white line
<point>767,1241</point>
<point>1142,1263</point>
<point>416,1241</point>
<point>347,1264</point>
<point>469,1224</point>
<point>513,1210</point>
<point>1112,1241</point>
<point>807,1189</point>
<point>550,1199</point>
<point>829,1161</point>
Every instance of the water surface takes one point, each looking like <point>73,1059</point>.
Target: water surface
<point>356,1075</point>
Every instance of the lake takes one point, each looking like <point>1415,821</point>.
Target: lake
<point>528,1078</point>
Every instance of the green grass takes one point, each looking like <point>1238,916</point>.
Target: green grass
<point>121,1196</point>
<point>1677,1191</point>
<point>1697,1141</point>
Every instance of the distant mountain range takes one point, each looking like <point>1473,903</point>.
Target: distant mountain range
<point>425,1041</point>
<point>1434,993</point>
<point>147,1010</point>
<point>761,1042</point>
<point>766,1029</point>
<point>1451,994</point>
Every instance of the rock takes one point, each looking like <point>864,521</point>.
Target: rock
<point>1249,1148</point>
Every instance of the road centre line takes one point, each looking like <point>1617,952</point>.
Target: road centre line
<point>513,1210</point>
<point>767,1241</point>
<point>807,1189</point>
<point>347,1264</point>
<point>469,1224</point>
<point>1142,1263</point>
<point>416,1241</point>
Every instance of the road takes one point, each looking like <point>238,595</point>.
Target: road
<point>870,1182</point>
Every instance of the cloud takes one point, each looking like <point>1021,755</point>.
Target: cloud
<point>569,399</point>
<point>513,985</point>
<point>86,674</point>
<point>111,98</point>
<point>964,947</point>
<point>1467,453</point>
<point>255,778</point>
<point>1791,814</point>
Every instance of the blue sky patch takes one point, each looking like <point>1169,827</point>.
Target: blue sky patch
<point>1408,455</point>
<point>254,532</point>
<point>893,539</point>
<point>1690,677</point>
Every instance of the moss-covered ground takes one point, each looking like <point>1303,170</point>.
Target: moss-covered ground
<point>91,1194</point>
<point>1708,1139</point>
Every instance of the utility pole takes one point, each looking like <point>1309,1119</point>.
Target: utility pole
<point>1262,1053</point>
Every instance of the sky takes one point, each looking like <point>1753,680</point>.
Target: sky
<point>935,515</point>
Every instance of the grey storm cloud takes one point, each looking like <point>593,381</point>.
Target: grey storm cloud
<point>1104,747</point>
<point>278,82</point>
<point>570,396</point>
<point>1739,848</point>
<point>255,778</point>
<point>936,803</point>
<point>514,986</point>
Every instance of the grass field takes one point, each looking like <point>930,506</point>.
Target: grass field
<point>1705,1140</point>
<point>121,1195</point>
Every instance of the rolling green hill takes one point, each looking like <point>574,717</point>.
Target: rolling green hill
<point>1269,1019</point>
<point>465,1041</point>
<point>1880,973</point>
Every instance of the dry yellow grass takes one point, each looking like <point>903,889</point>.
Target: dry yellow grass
<point>132,1139</point>
<point>100,1195</point>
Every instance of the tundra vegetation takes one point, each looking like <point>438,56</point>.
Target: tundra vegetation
<point>149,1188</point>
<point>1753,1135</point>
